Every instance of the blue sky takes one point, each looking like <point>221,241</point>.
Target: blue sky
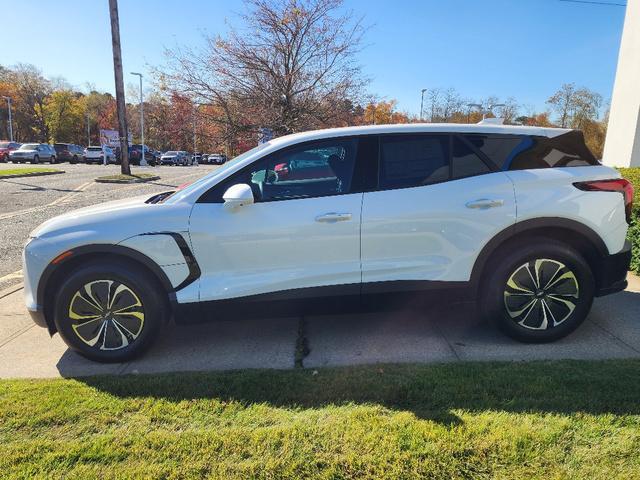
<point>520,48</point>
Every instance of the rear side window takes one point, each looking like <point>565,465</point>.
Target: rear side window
<point>566,150</point>
<point>465,162</point>
<point>521,152</point>
<point>413,160</point>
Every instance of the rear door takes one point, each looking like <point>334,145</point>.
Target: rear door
<point>438,202</point>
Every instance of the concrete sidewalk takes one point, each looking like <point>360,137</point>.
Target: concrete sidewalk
<point>612,330</point>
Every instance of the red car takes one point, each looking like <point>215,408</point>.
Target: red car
<point>5,148</point>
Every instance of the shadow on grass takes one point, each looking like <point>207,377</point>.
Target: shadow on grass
<point>429,391</point>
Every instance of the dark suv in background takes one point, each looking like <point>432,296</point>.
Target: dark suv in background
<point>68,152</point>
<point>135,155</point>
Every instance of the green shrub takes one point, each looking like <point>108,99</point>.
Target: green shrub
<point>633,175</point>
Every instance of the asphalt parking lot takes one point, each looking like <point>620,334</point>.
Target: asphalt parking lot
<point>439,334</point>
<point>28,201</point>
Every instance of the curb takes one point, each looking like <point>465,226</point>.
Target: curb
<point>137,180</point>
<point>10,290</point>
<point>35,174</point>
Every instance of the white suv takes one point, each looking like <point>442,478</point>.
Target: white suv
<point>99,154</point>
<point>522,219</point>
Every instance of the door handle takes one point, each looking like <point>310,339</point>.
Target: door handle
<point>484,203</point>
<point>333,217</point>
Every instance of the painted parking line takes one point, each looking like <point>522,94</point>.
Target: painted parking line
<point>71,195</point>
<point>62,200</point>
<point>11,276</point>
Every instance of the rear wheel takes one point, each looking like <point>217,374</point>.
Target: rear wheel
<point>74,160</point>
<point>539,292</point>
<point>109,312</point>
<point>52,159</point>
<point>36,159</point>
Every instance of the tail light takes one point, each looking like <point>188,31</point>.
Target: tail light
<point>614,185</point>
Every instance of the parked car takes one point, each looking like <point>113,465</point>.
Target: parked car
<point>34,153</point>
<point>408,212</point>
<point>173,157</point>
<point>6,148</point>
<point>68,152</point>
<point>216,158</point>
<point>97,154</point>
<point>135,155</point>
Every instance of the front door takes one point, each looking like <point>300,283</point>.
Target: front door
<point>303,231</point>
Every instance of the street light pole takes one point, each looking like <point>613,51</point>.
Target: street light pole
<point>8,99</point>
<point>142,158</point>
<point>422,102</point>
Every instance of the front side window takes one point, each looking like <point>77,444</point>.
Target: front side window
<point>413,160</point>
<point>315,169</point>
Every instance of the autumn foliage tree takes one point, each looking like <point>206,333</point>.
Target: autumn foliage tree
<point>291,67</point>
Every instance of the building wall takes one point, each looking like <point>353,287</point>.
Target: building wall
<point>622,146</point>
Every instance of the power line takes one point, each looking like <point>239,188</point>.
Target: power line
<point>596,3</point>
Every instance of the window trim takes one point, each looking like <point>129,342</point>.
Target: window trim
<point>284,151</point>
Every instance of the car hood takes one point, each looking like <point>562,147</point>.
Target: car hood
<point>112,222</point>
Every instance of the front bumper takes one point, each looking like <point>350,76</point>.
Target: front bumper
<point>611,275</point>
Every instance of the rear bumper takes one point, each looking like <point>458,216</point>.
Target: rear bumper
<point>612,271</point>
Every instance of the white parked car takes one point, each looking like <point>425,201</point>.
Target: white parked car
<point>98,154</point>
<point>524,220</point>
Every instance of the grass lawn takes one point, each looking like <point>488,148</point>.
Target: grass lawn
<point>542,420</point>
<point>121,178</point>
<point>26,171</point>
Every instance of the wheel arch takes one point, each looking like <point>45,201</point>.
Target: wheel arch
<point>52,276</point>
<point>570,232</point>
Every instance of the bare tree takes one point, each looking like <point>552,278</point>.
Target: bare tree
<point>289,68</point>
<point>575,106</point>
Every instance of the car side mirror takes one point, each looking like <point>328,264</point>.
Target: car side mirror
<point>238,195</point>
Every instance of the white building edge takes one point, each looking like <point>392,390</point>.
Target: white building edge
<point>622,146</point>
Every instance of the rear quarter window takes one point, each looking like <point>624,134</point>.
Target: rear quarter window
<point>522,152</point>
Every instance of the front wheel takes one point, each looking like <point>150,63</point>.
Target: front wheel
<point>36,159</point>
<point>539,292</point>
<point>110,312</point>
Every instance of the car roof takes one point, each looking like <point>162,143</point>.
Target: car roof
<point>419,128</point>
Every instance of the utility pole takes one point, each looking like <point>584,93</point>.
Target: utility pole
<point>8,99</point>
<point>194,129</point>
<point>125,169</point>
<point>422,102</point>
<point>142,159</point>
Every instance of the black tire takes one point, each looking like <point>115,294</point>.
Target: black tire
<point>561,284</point>
<point>110,336</point>
<point>74,160</point>
<point>36,159</point>
<point>52,159</point>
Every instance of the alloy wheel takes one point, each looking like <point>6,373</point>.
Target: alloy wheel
<point>541,294</point>
<point>106,314</point>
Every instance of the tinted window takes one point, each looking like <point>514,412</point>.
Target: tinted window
<point>465,162</point>
<point>497,148</point>
<point>566,150</point>
<point>413,160</point>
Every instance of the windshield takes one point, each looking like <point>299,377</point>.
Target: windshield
<point>220,171</point>
<point>29,146</point>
